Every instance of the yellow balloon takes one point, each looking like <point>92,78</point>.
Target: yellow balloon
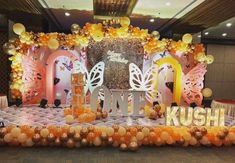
<point>15,132</point>
<point>140,136</point>
<point>18,28</point>
<point>207,92</point>
<point>97,141</point>
<point>209,59</point>
<point>44,132</point>
<point>22,138</point>
<point>8,138</point>
<point>53,44</point>
<point>69,119</point>
<point>125,21</point>
<point>109,131</point>
<point>187,38</point>
<point>97,35</point>
<point>121,131</point>
<point>156,34</point>
<point>200,57</point>
<point>187,136</point>
<point>29,142</point>
<point>145,131</point>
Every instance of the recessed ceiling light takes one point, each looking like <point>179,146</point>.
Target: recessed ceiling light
<point>229,24</point>
<point>168,3</point>
<point>206,33</point>
<point>151,20</point>
<point>199,36</point>
<point>67,14</point>
<point>224,34</point>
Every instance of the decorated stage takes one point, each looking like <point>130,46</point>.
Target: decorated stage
<point>34,126</point>
<point>122,86</point>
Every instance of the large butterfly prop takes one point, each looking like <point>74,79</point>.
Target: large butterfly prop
<point>193,84</point>
<point>144,81</point>
<point>94,78</point>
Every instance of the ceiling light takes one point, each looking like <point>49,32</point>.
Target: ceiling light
<point>224,34</point>
<point>199,36</point>
<point>67,14</point>
<point>168,3</point>
<point>206,33</point>
<point>229,24</point>
<point>151,20</point>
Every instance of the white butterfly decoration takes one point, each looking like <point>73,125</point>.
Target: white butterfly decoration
<point>93,79</point>
<point>144,81</point>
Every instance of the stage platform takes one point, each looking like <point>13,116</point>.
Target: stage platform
<point>36,116</point>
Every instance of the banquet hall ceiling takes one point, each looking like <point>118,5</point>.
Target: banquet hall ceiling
<point>167,15</point>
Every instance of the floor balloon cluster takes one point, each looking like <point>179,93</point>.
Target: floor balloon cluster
<point>124,138</point>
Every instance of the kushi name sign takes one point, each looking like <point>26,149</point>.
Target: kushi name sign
<point>176,116</point>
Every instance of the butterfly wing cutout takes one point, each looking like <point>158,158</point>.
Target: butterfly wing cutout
<point>193,84</point>
<point>96,76</point>
<point>143,82</point>
<point>93,79</point>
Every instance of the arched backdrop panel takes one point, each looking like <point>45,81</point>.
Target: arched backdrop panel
<point>177,91</point>
<point>50,72</point>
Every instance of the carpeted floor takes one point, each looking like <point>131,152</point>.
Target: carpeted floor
<point>113,155</point>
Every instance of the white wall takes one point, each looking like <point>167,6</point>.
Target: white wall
<point>221,74</point>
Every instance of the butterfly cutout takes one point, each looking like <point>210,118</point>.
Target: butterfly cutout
<point>57,61</point>
<point>61,68</point>
<point>56,81</point>
<point>39,76</point>
<point>163,54</point>
<point>193,84</point>
<point>170,85</point>
<point>144,81</point>
<point>68,97</point>
<point>94,78</point>
<point>69,66</point>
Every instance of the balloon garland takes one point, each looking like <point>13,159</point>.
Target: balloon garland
<point>82,36</point>
<point>124,138</point>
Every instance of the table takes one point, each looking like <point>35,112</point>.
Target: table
<point>3,101</point>
<point>228,105</point>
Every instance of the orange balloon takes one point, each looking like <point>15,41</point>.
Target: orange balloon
<point>116,136</point>
<point>122,140</point>
<point>30,132</point>
<point>152,136</point>
<point>90,136</point>
<point>133,131</point>
<point>128,136</point>
<point>65,128</point>
<point>145,141</point>
<point>97,132</point>
<point>58,132</point>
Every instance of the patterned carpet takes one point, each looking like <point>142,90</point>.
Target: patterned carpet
<point>36,116</point>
